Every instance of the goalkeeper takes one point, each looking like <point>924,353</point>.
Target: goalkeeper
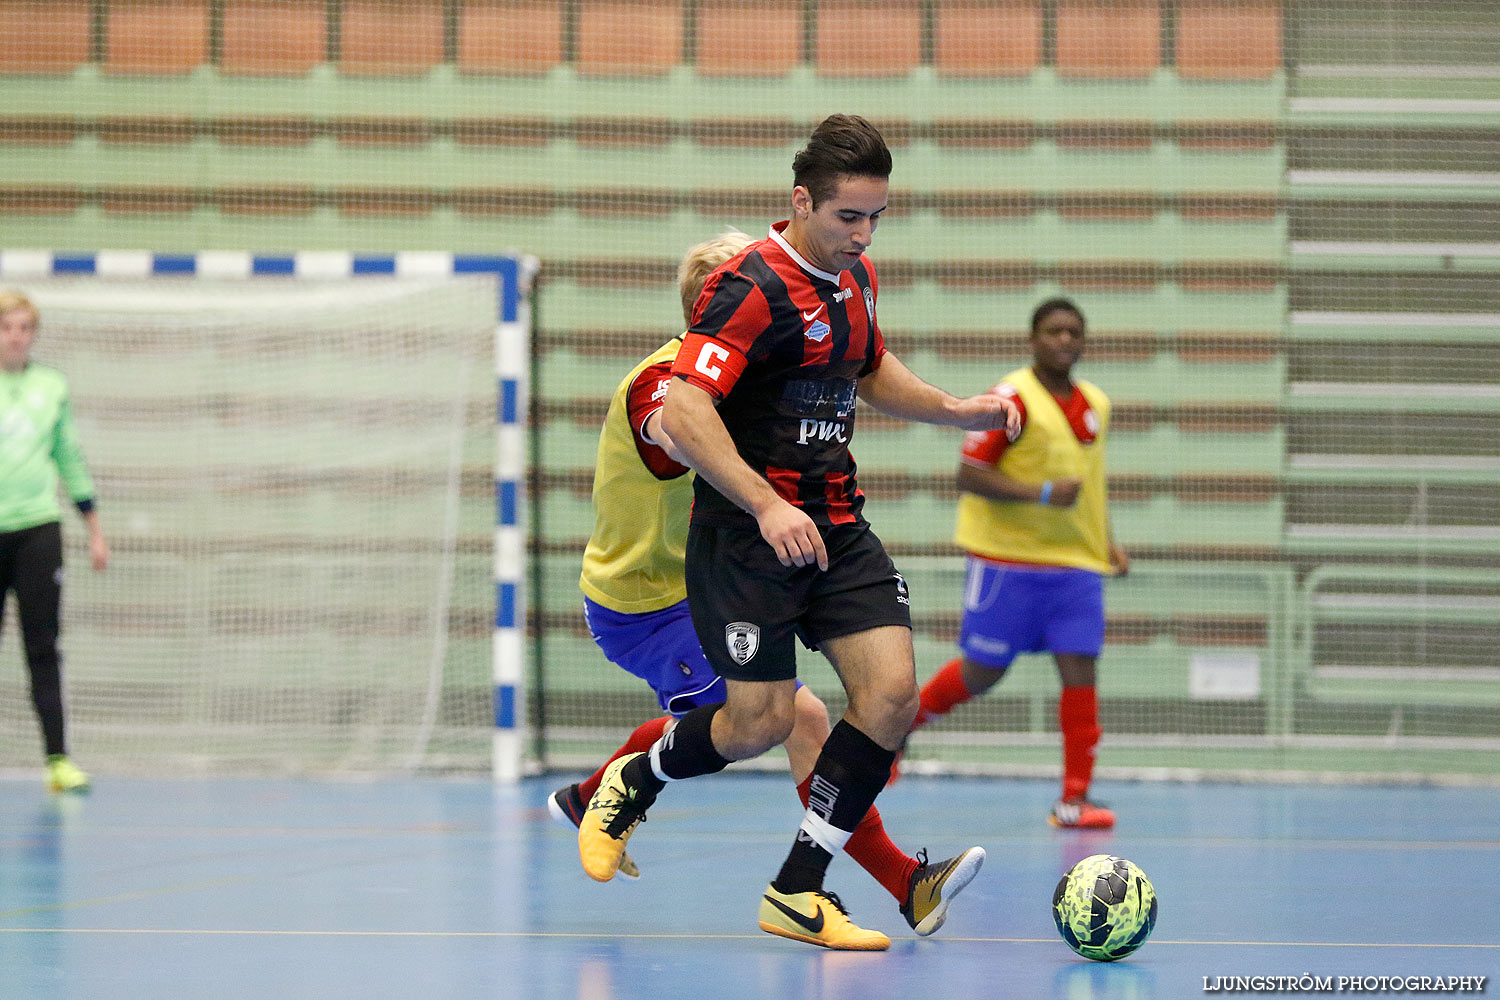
<point>38,444</point>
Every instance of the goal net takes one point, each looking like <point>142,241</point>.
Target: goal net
<point>295,476</point>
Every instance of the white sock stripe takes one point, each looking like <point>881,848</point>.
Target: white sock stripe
<point>824,833</point>
<point>654,757</point>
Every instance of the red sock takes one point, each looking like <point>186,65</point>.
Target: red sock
<point>1078,717</point>
<point>945,691</point>
<point>640,741</point>
<point>874,851</point>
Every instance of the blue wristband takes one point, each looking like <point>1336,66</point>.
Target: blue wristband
<point>1046,496</point>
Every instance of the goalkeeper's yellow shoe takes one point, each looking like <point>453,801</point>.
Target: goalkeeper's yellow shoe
<point>612,816</point>
<point>933,886</point>
<point>65,776</point>
<point>817,917</point>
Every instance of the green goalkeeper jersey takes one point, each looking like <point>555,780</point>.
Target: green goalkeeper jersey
<point>38,444</point>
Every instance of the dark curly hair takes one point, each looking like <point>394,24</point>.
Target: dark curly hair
<point>840,145</point>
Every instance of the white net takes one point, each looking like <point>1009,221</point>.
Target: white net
<point>295,478</point>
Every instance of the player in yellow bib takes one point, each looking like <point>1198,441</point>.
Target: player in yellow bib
<point>635,600</point>
<point>1034,517</point>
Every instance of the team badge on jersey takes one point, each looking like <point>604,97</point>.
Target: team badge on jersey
<point>870,304</point>
<point>743,640</point>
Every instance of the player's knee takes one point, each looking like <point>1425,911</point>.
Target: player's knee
<point>894,704</point>
<point>980,677</point>
<point>776,726</point>
<point>754,733</point>
<point>811,717</point>
<point>905,702</point>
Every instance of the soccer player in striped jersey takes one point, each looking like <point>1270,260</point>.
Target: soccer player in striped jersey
<point>39,443</point>
<point>782,340</point>
<point>1034,518</point>
<point>635,601</point>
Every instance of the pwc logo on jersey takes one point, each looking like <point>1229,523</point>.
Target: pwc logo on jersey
<point>822,430</point>
<point>743,640</point>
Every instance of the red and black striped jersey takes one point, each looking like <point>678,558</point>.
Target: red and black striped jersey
<point>781,345</point>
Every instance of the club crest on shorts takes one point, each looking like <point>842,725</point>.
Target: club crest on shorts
<point>743,639</point>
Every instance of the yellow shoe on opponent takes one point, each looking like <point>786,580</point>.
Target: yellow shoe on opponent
<point>612,816</point>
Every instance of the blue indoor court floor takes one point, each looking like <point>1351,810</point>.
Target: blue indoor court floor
<point>448,889</point>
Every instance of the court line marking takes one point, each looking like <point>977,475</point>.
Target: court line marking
<point>601,935</point>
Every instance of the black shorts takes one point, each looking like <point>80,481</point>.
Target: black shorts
<point>746,606</point>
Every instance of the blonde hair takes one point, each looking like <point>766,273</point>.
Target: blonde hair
<point>700,262</point>
<point>16,300</point>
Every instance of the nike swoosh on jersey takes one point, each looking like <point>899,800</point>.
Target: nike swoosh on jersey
<point>813,924</point>
<point>809,317</point>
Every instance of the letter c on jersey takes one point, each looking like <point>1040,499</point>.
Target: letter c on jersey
<point>706,358</point>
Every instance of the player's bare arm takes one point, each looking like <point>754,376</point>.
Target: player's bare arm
<point>690,419</point>
<point>895,390</point>
<point>655,434</point>
<point>992,484</point>
<point>98,547</point>
<point>1119,561</point>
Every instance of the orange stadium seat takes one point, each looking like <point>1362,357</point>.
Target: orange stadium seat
<point>156,36</point>
<point>724,26</point>
<point>629,37</point>
<point>44,37</point>
<point>869,37</point>
<point>987,37</point>
<point>273,37</point>
<point>390,37</point>
<point>1117,39</point>
<point>506,36</point>
<point>1228,39</point>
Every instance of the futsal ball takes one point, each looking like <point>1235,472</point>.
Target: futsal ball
<point>1104,907</point>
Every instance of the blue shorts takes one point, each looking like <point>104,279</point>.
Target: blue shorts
<point>1010,610</point>
<point>661,648</point>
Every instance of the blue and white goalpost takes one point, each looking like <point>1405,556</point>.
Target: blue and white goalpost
<point>51,277</point>
<point>512,366</point>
